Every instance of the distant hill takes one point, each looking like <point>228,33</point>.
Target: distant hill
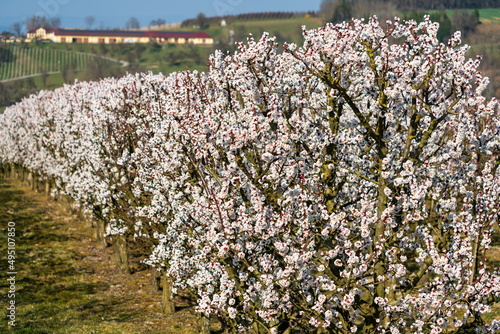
<point>285,26</point>
<point>445,4</point>
<point>245,17</point>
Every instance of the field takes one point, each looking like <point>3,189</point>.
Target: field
<point>487,15</point>
<point>21,61</point>
<point>286,30</point>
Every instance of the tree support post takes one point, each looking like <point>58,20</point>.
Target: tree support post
<point>121,253</point>
<point>47,187</point>
<point>99,232</point>
<point>168,305</point>
<point>12,171</point>
<point>154,285</point>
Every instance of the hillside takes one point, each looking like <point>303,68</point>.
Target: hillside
<point>170,57</point>
<point>21,61</point>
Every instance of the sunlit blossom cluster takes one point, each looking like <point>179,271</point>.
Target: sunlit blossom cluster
<point>348,185</point>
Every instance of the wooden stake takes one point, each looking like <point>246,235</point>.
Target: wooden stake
<point>168,305</point>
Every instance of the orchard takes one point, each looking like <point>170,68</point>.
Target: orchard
<point>350,185</point>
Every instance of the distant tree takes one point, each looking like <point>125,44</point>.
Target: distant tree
<point>54,22</point>
<point>89,21</point>
<point>465,21</point>
<point>414,5</point>
<point>97,69</point>
<point>29,84</point>
<point>132,23</point>
<point>157,22</point>
<point>342,11</point>
<point>42,21</point>
<point>36,22</point>
<point>201,20</point>
<point>383,9</point>
<point>4,96</point>
<point>16,28</point>
<point>138,50</point>
<point>326,9</point>
<point>65,72</point>
<point>445,26</point>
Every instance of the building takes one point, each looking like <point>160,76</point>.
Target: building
<point>41,34</point>
<point>62,35</point>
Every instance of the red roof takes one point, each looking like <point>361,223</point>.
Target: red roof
<point>82,32</point>
<point>32,31</point>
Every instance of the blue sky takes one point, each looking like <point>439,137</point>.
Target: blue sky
<point>115,13</point>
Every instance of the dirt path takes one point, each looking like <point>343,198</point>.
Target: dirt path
<point>66,282</point>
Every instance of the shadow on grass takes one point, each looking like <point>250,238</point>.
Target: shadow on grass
<point>61,287</point>
<point>49,281</point>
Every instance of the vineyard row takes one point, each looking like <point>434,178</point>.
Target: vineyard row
<point>20,61</point>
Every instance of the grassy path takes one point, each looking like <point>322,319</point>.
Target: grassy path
<point>66,282</point>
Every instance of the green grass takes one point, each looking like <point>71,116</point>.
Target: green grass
<point>485,15</point>
<point>33,58</point>
<point>489,15</point>
<point>48,285</point>
<point>286,30</point>
<point>68,283</point>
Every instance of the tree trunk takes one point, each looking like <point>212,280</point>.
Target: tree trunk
<point>99,227</point>
<point>203,323</point>
<point>31,180</point>
<point>47,187</point>
<point>36,183</point>
<point>168,305</point>
<point>95,232</point>
<point>121,253</point>
<point>67,204</point>
<point>380,265</point>
<point>154,285</point>
<point>81,214</point>
<point>475,262</point>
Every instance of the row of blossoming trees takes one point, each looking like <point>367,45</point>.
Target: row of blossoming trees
<point>350,185</point>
